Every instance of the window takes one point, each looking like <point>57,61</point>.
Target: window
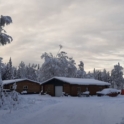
<point>25,87</point>
<point>11,87</point>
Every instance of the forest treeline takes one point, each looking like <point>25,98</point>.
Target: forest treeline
<point>63,66</point>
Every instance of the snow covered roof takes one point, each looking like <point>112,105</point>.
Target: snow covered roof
<point>5,82</point>
<point>80,81</point>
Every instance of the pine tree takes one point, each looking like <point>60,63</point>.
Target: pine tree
<point>3,71</point>
<point>89,75</point>
<point>8,71</point>
<point>15,73</point>
<point>80,72</point>
<point>11,68</point>
<point>31,71</point>
<point>21,70</point>
<point>38,73</point>
<point>1,87</point>
<point>4,39</point>
<point>117,76</point>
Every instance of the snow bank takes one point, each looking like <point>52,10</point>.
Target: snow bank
<point>37,109</point>
<point>86,93</point>
<point>24,92</point>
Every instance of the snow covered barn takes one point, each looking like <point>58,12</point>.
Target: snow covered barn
<point>72,86</point>
<point>23,85</point>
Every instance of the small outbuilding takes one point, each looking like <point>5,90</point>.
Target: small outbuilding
<point>23,85</point>
<point>72,86</point>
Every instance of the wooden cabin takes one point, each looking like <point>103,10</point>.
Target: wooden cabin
<point>72,86</point>
<point>23,85</point>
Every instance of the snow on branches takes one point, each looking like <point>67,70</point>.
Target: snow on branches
<point>59,65</point>
<point>4,38</point>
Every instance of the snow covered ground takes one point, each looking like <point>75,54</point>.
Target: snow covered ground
<point>37,109</point>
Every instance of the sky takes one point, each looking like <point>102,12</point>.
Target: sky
<point>91,31</point>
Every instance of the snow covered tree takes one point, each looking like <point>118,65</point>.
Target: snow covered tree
<point>1,87</point>
<point>4,38</point>
<point>31,71</point>
<point>89,75</point>
<point>105,76</point>
<point>80,72</point>
<point>15,71</point>
<point>8,72</point>
<point>102,75</point>
<point>49,67</point>
<point>117,76</point>
<point>14,94</point>
<point>59,65</point>
<point>71,68</point>
<point>11,68</point>
<point>26,71</point>
<point>97,74</point>
<point>3,71</point>
<point>108,77</point>
<point>81,66</point>
<point>66,65</point>
<point>38,73</point>
<point>21,70</point>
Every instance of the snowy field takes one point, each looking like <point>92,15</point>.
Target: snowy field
<point>37,109</point>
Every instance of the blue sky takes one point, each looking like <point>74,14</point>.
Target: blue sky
<point>90,31</point>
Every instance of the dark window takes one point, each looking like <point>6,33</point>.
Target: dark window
<point>25,87</point>
<point>11,87</point>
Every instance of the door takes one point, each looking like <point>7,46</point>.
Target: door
<point>58,90</point>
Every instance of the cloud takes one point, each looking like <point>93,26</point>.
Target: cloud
<point>91,31</point>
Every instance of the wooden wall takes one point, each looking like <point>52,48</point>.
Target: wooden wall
<point>71,89</point>
<point>66,88</point>
<point>94,88</point>
<point>49,89</point>
<point>32,87</point>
